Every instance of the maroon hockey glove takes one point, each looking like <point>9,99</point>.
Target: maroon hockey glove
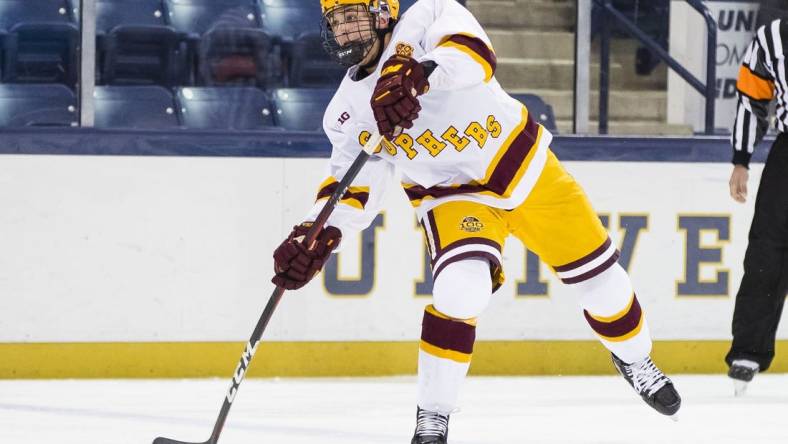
<point>395,100</point>
<point>295,264</point>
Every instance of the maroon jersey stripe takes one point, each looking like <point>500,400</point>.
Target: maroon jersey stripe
<point>476,45</point>
<point>329,189</point>
<point>513,158</point>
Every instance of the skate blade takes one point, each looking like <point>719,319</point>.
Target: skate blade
<point>674,417</point>
<point>739,388</point>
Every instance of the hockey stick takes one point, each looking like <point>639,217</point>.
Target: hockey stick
<point>276,296</point>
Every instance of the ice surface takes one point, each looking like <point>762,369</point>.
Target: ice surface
<point>565,410</point>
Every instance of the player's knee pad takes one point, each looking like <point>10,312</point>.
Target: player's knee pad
<point>607,292</point>
<point>463,289</point>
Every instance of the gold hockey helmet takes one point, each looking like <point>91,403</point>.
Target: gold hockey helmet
<point>349,28</point>
<point>391,6</point>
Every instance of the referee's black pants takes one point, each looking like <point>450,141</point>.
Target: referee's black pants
<point>761,296</point>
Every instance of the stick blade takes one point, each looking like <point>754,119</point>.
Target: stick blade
<point>161,440</point>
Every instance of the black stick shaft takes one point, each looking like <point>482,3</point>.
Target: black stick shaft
<point>276,296</point>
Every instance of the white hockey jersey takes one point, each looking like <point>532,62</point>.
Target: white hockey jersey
<point>470,142</point>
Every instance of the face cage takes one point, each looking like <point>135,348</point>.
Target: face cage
<point>359,45</point>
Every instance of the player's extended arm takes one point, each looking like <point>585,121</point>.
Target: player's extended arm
<point>297,262</point>
<point>455,41</point>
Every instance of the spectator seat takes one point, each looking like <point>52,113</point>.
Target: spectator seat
<point>225,108</point>
<point>138,107</point>
<point>143,54</point>
<point>24,105</point>
<point>135,45</point>
<point>301,109</point>
<point>41,53</point>
<point>239,56</point>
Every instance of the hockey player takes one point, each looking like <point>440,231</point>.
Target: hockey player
<point>476,168</point>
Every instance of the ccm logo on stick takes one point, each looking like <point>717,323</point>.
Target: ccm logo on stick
<point>240,371</point>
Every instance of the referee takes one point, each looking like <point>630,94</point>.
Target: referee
<point>759,303</point>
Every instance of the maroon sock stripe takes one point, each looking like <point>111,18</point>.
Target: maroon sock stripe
<point>448,334</point>
<point>622,326</point>
<point>593,272</point>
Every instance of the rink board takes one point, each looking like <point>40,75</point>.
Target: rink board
<point>160,266</point>
<point>309,359</point>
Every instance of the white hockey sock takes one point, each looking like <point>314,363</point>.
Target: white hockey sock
<point>612,310</point>
<point>445,354</point>
<point>461,292</point>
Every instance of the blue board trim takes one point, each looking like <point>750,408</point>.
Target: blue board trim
<point>88,141</point>
<point>651,149</point>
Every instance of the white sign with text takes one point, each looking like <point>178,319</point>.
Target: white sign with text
<point>179,249</point>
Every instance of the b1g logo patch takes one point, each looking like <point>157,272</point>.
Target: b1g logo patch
<point>404,49</point>
<point>471,224</point>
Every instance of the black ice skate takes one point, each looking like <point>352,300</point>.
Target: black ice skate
<point>431,428</point>
<point>651,384</point>
<point>742,371</point>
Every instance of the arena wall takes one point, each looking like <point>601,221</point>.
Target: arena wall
<point>158,265</point>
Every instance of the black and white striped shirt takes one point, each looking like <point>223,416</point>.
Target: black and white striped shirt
<point>762,78</point>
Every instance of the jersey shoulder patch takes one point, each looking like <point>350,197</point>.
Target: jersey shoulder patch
<point>404,49</point>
